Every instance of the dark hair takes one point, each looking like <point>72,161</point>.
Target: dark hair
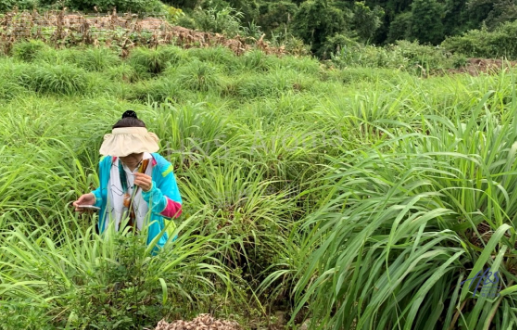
<point>129,119</point>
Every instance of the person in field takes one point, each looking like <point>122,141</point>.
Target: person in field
<point>135,182</point>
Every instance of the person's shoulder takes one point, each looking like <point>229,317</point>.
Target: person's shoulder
<point>160,160</point>
<point>105,159</point>
<point>162,163</point>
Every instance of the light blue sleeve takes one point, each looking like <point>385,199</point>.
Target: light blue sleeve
<point>164,197</point>
<point>102,178</point>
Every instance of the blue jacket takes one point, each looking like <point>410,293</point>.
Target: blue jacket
<point>164,199</point>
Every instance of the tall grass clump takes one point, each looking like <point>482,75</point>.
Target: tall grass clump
<point>401,230</point>
<point>76,279</point>
<point>58,80</point>
<point>199,76</point>
<point>221,56</point>
<point>28,51</point>
<point>151,62</point>
<point>97,59</point>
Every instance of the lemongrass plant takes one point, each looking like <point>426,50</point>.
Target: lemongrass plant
<point>359,197</point>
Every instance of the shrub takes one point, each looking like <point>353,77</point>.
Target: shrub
<point>484,43</point>
<point>135,6</point>
<point>257,60</point>
<point>410,56</point>
<point>271,84</point>
<point>9,90</point>
<point>6,5</point>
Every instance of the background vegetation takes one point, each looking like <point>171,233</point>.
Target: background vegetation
<point>325,25</point>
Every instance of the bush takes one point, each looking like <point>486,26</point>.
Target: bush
<point>134,6</point>
<point>484,43</point>
<point>9,90</point>
<point>6,5</point>
<point>405,55</point>
<point>217,55</point>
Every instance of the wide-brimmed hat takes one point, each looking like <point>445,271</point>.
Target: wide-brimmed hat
<point>124,141</point>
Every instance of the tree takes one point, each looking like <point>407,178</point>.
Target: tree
<point>400,28</point>
<point>317,20</point>
<point>426,21</point>
<point>494,13</point>
<point>276,15</point>
<point>366,21</point>
<point>456,17</point>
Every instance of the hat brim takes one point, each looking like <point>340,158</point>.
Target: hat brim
<point>125,141</point>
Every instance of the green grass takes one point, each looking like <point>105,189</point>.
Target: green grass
<point>360,198</point>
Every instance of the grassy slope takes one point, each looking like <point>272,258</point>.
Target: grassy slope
<point>369,194</point>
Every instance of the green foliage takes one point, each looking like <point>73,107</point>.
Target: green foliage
<point>493,13</point>
<point>154,61</point>
<point>366,21</point>
<point>426,21</point>
<point>97,59</point>
<point>187,4</point>
<point>174,14</point>
<point>199,76</point>
<point>317,20</point>
<point>392,238</point>
<point>225,20</point>
<point>403,55</point>
<point>276,16</point>
<point>59,79</point>
<point>28,51</point>
<point>400,28</point>
<point>483,43</point>
<point>134,6</point>
<point>6,5</point>
<point>108,284</point>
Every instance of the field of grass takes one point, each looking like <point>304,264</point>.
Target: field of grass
<point>359,198</point>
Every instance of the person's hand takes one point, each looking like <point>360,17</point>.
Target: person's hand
<point>144,181</point>
<point>86,199</point>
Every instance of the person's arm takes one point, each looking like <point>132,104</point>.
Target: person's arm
<point>97,192</point>
<point>164,198</point>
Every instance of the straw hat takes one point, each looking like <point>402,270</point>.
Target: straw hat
<point>124,141</point>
